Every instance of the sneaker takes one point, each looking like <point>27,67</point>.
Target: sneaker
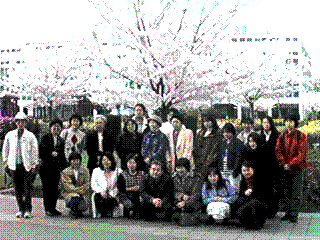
<point>27,215</point>
<point>19,214</point>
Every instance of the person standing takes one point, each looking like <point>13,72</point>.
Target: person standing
<point>20,154</point>
<point>99,141</point>
<point>155,144</point>
<point>140,117</point>
<point>129,143</point>
<point>53,161</point>
<point>247,123</point>
<point>230,155</point>
<point>74,138</point>
<point>208,140</point>
<point>291,151</point>
<point>180,142</point>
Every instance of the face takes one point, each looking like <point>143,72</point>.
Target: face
<point>131,127</point>
<point>247,172</point>
<point>106,162</point>
<point>155,170</point>
<point>75,163</point>
<point>176,123</point>
<point>21,123</point>
<point>227,135</point>
<point>169,116</point>
<point>100,123</point>
<point>266,125</point>
<point>247,126</point>
<point>153,125</point>
<point>55,129</point>
<point>289,124</point>
<point>181,171</point>
<point>138,111</point>
<point>132,165</point>
<point>252,143</point>
<point>75,123</point>
<point>213,178</point>
<point>207,123</point>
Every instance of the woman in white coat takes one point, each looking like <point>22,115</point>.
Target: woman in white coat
<point>104,184</point>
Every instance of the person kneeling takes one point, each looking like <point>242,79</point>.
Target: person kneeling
<point>250,208</point>
<point>75,184</point>
<point>104,184</point>
<point>187,194</point>
<point>157,196</point>
<point>130,184</point>
<point>217,195</point>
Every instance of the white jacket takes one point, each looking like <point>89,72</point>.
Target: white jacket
<point>99,182</point>
<point>29,150</point>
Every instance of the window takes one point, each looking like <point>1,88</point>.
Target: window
<point>295,61</point>
<point>48,47</point>
<point>288,61</point>
<point>249,39</point>
<point>295,39</point>
<point>296,94</point>
<point>257,39</point>
<point>295,53</point>
<point>13,50</point>
<point>242,39</point>
<point>287,39</point>
<point>7,62</point>
<point>23,98</point>
<point>29,97</point>
<point>263,39</point>
<point>18,62</point>
<point>234,40</point>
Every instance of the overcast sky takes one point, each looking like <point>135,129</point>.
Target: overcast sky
<point>62,20</point>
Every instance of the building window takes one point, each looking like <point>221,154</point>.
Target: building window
<point>263,39</point>
<point>296,94</point>
<point>18,62</point>
<point>295,61</point>
<point>29,97</point>
<point>23,98</point>
<point>48,47</point>
<point>295,39</point>
<point>242,39</point>
<point>2,62</point>
<point>287,39</point>
<point>288,61</point>
<point>257,39</point>
<point>234,40</point>
<point>7,62</point>
<point>295,53</point>
<point>249,39</point>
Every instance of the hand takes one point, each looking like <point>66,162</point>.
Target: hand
<point>185,198</point>
<point>248,192</point>
<point>181,204</point>
<point>147,160</point>
<point>156,202</point>
<point>54,154</point>
<point>286,167</point>
<point>104,194</point>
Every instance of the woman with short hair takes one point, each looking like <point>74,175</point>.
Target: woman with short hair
<point>104,184</point>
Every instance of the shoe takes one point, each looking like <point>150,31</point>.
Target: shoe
<point>27,215</point>
<point>19,214</point>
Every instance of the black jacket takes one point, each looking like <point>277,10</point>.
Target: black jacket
<point>46,148</point>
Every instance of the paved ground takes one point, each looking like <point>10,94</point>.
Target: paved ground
<point>41,227</point>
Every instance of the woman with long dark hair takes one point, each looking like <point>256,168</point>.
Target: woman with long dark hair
<point>129,143</point>
<point>255,150</point>
<point>207,142</point>
<point>217,195</point>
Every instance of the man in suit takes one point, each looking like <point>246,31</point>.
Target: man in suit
<point>180,142</point>
<point>99,141</point>
<point>53,161</point>
<point>20,154</point>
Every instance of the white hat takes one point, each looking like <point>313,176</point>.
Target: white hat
<point>21,116</point>
<point>155,118</point>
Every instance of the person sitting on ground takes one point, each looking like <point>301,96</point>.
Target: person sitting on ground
<point>187,190</point>
<point>75,186</point>
<point>104,184</point>
<point>157,196</point>
<point>217,195</point>
<point>247,123</point>
<point>131,184</point>
<point>250,209</point>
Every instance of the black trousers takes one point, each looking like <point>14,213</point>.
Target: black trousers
<point>105,206</point>
<point>50,187</point>
<point>77,205</point>
<point>23,181</point>
<point>292,185</point>
<point>157,213</point>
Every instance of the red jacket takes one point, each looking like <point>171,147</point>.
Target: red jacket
<point>292,149</point>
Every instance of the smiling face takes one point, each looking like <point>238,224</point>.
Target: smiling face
<point>100,124</point>
<point>266,125</point>
<point>138,111</point>
<point>75,163</point>
<point>247,172</point>
<point>75,123</point>
<point>252,143</point>
<point>131,127</point>
<point>153,125</point>
<point>106,162</point>
<point>155,170</point>
<point>132,165</point>
<point>176,123</point>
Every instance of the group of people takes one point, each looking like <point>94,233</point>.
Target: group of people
<point>165,172</point>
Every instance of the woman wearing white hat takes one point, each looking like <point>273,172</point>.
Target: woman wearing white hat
<point>20,154</point>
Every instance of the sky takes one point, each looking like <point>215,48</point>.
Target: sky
<point>38,21</point>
